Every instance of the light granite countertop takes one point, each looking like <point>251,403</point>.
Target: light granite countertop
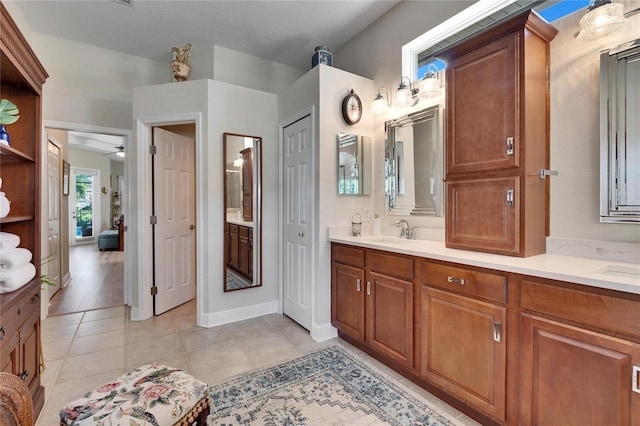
<point>241,222</point>
<point>606,274</point>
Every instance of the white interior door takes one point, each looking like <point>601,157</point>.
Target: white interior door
<point>298,203</point>
<point>174,208</point>
<point>52,256</point>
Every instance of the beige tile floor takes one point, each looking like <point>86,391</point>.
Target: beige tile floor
<point>85,349</point>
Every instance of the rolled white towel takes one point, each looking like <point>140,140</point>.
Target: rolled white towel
<point>9,241</point>
<point>13,280</point>
<point>14,258</point>
<point>5,205</point>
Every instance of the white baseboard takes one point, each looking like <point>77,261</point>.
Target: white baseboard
<point>324,332</point>
<point>66,279</point>
<point>238,314</point>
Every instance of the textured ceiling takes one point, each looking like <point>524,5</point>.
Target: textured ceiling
<point>282,31</point>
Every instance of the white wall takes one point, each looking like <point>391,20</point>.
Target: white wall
<point>324,88</point>
<point>85,159</point>
<point>224,108</point>
<point>90,85</point>
<point>575,132</point>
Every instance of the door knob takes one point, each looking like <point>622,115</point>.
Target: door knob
<point>300,234</point>
<point>192,226</point>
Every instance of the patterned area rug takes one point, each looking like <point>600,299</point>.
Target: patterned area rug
<point>328,387</point>
<point>236,281</point>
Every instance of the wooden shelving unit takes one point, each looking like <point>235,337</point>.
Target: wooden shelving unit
<point>21,79</point>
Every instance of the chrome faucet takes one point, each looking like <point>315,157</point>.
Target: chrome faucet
<point>406,231</point>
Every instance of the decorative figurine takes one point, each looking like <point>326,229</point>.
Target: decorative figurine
<point>180,65</point>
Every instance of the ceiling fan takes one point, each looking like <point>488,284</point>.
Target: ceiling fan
<point>119,151</point>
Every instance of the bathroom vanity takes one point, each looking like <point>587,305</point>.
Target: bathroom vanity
<point>547,339</point>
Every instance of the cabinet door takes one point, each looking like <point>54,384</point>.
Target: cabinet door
<point>390,317</point>
<point>9,356</point>
<point>30,352</point>
<point>572,376</point>
<point>463,349</point>
<point>247,184</point>
<point>243,255</point>
<point>347,304</point>
<point>480,215</point>
<point>482,88</point>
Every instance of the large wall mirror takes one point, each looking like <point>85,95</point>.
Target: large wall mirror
<point>414,164</point>
<point>354,164</point>
<point>620,133</point>
<point>242,207</point>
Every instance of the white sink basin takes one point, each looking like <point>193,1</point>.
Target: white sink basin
<point>621,271</point>
<point>388,240</point>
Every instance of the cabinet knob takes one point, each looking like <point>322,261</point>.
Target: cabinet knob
<point>35,299</point>
<point>24,375</point>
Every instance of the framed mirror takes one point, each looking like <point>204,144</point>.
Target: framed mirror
<point>620,133</point>
<point>243,212</point>
<point>414,163</point>
<point>354,165</point>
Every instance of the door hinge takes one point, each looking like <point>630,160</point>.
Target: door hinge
<point>510,146</point>
<point>153,220</point>
<point>154,291</point>
<point>152,149</point>
<point>509,197</point>
<point>497,332</point>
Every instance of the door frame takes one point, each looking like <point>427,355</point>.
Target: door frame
<point>309,111</point>
<point>142,208</point>
<point>127,136</point>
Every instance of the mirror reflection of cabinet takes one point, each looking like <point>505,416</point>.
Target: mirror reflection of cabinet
<point>242,200</point>
<point>620,133</point>
<point>354,165</point>
<point>414,163</point>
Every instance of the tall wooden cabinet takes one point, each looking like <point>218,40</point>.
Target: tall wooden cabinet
<point>498,138</point>
<point>247,184</point>
<point>21,80</point>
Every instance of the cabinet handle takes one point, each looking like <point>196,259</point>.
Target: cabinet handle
<point>456,280</point>
<point>369,287</point>
<point>497,332</point>
<point>509,197</point>
<point>24,375</point>
<point>35,299</point>
<point>2,332</point>
<point>358,284</point>
<point>635,379</point>
<point>510,146</point>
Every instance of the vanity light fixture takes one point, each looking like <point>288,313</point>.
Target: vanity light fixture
<point>602,18</point>
<point>430,84</point>
<point>406,96</point>
<point>381,103</point>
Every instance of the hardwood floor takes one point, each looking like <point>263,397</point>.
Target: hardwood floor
<point>97,281</point>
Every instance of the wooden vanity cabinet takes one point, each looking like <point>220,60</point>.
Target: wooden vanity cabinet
<point>389,305</point>
<point>580,355</point>
<point>372,300</point>
<point>239,249</point>
<point>498,138</point>
<point>20,338</point>
<point>463,346</point>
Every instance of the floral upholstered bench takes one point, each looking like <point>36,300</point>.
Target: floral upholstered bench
<point>153,394</point>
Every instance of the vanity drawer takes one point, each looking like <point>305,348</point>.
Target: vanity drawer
<point>348,255</point>
<point>395,265</point>
<point>617,314</point>
<point>467,281</point>
<point>13,318</point>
